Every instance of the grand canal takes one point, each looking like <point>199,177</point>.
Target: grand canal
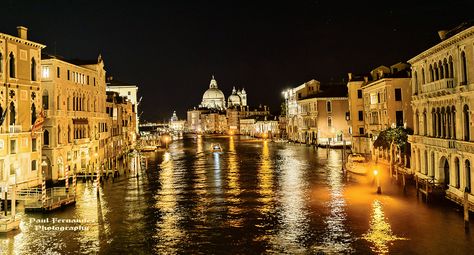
<point>255,197</point>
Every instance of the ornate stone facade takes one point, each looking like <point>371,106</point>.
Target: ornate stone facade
<point>443,96</point>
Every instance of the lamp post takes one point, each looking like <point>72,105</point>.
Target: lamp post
<point>377,179</point>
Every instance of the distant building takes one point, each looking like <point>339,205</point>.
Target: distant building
<point>130,91</point>
<point>20,104</point>
<point>317,116</point>
<point>121,129</point>
<point>177,125</point>
<point>442,90</point>
<point>214,116</point>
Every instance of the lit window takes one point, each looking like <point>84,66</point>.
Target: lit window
<point>45,71</point>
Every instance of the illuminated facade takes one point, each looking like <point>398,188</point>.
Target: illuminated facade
<point>317,116</point>
<point>126,90</point>
<point>121,123</point>
<point>20,103</point>
<point>443,96</point>
<point>378,101</point>
<point>75,129</point>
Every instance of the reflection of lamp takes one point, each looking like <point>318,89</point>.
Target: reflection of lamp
<point>377,177</point>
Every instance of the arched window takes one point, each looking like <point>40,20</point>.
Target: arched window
<point>45,100</point>
<point>1,63</point>
<point>12,114</point>
<point>33,69</point>
<point>415,77</point>
<point>433,122</point>
<point>451,67</point>
<point>46,137</point>
<point>457,171</point>
<point>468,176</point>
<point>425,170</point>
<point>453,115</point>
<point>464,68</point>
<point>33,113</point>
<point>441,70</point>
<point>436,72</point>
<point>12,65</point>
<point>329,122</point>
<point>68,134</point>
<point>431,74</point>
<point>425,124</point>
<point>423,80</point>
<point>417,123</point>
<point>466,123</point>
<point>446,69</point>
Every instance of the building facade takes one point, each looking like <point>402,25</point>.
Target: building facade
<point>20,104</point>
<point>443,96</point>
<point>317,116</point>
<point>378,101</point>
<point>76,124</point>
<point>126,90</point>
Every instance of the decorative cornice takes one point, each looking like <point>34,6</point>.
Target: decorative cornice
<point>23,41</point>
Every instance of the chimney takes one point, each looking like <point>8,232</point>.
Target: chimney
<point>350,76</point>
<point>22,32</point>
<point>366,79</point>
<point>442,34</point>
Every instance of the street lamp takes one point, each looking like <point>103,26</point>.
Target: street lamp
<point>377,179</point>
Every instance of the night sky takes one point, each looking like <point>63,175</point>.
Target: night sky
<point>171,48</point>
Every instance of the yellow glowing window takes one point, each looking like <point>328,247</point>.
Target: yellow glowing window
<point>45,71</point>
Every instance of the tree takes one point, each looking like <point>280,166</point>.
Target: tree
<point>398,136</point>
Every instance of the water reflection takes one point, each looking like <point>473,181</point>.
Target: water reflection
<point>293,217</point>
<point>265,180</point>
<point>380,234</point>
<point>336,237</point>
<point>233,192</point>
<point>168,231</point>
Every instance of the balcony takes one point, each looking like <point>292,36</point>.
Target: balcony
<point>436,142</point>
<point>14,129</point>
<point>445,86</point>
<point>81,141</point>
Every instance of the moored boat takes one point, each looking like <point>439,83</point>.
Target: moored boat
<point>357,164</point>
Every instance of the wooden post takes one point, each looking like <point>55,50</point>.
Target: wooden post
<point>13,202</point>
<point>404,183</point>
<point>426,189</point>
<point>466,208</point>
<point>416,185</point>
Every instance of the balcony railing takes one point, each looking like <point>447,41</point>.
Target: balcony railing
<point>439,85</point>
<point>14,129</point>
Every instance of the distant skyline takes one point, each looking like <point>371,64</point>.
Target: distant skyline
<point>171,49</point>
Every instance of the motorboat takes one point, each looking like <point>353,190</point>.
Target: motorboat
<point>215,147</point>
<point>357,164</point>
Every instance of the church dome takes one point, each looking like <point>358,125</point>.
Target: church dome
<point>234,99</point>
<point>213,97</point>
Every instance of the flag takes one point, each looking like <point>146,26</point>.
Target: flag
<point>38,123</point>
<point>4,114</point>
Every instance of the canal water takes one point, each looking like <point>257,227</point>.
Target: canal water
<point>255,197</point>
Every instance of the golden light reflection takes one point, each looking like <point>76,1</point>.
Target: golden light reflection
<point>293,216</point>
<point>380,234</point>
<point>265,180</point>
<point>233,192</point>
<point>336,238</point>
<point>168,230</point>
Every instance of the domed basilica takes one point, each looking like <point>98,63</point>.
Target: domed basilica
<point>214,98</point>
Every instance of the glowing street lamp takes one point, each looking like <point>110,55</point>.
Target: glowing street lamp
<point>377,178</point>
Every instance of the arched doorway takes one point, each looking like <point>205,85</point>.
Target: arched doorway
<point>444,169</point>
